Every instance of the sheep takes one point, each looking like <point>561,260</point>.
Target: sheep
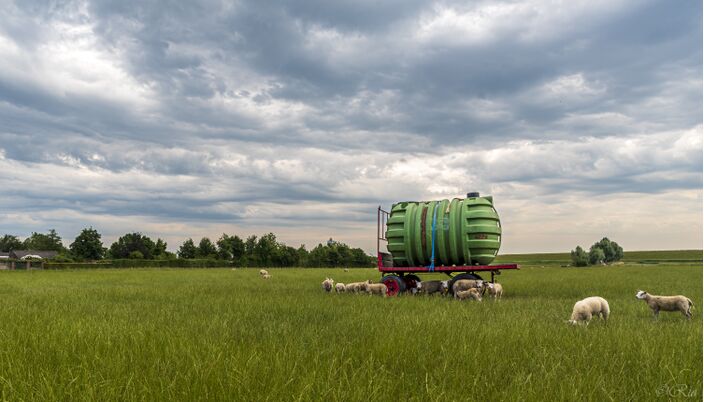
<point>376,288</point>
<point>583,310</point>
<point>356,286</point>
<point>263,272</point>
<point>266,276</point>
<point>464,284</point>
<point>339,287</point>
<point>495,289</point>
<point>430,287</point>
<point>471,293</point>
<point>667,303</point>
<point>346,270</point>
<point>364,286</point>
<point>328,284</point>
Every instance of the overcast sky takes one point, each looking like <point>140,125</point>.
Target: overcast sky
<point>186,119</point>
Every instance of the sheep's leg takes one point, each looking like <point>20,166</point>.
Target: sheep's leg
<point>655,313</point>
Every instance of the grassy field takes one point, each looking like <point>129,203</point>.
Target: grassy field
<point>220,334</point>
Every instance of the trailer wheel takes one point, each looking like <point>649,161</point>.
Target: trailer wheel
<point>394,285</point>
<point>411,281</point>
<point>466,275</point>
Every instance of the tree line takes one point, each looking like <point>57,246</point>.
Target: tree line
<point>252,251</point>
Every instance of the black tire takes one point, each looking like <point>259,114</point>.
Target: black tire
<point>466,275</point>
<point>410,281</point>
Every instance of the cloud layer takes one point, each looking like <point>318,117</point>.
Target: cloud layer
<point>582,119</point>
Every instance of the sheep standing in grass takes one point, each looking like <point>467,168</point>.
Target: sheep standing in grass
<point>339,287</point>
<point>328,284</point>
<point>356,287</point>
<point>376,288</point>
<point>591,306</point>
<point>266,276</point>
<point>471,293</point>
<point>263,272</point>
<point>495,289</point>
<point>431,287</point>
<point>667,303</point>
<point>465,284</point>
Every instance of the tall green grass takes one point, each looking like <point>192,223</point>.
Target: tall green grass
<point>221,334</point>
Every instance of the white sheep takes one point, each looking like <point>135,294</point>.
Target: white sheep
<point>356,287</point>
<point>339,287</point>
<point>327,284</point>
<point>464,284</point>
<point>376,288</point>
<point>667,303</point>
<point>591,306</point>
<point>263,272</point>
<point>471,293</point>
<point>266,276</point>
<point>495,289</point>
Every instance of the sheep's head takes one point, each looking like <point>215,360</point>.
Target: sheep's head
<point>418,285</point>
<point>444,285</point>
<point>641,294</point>
<point>489,285</point>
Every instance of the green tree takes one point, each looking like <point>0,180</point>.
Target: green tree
<point>160,248</point>
<point>580,258</point>
<point>206,249</point>
<point>131,242</point>
<point>40,241</point>
<point>612,251</point>
<point>9,243</point>
<point>250,257</point>
<point>596,255</point>
<point>136,255</point>
<point>187,250</point>
<point>302,256</point>
<point>88,245</point>
<point>266,249</point>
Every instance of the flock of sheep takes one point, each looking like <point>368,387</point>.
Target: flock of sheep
<point>472,289</point>
<point>584,310</point>
<point>461,289</point>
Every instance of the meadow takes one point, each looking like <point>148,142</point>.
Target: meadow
<point>222,334</point>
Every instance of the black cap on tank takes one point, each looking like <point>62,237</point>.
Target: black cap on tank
<point>473,194</point>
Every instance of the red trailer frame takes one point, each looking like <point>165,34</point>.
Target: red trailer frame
<point>397,279</point>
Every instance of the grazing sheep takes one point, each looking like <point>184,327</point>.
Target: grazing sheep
<point>430,287</point>
<point>357,286</point>
<point>328,284</point>
<point>667,303</point>
<point>263,272</point>
<point>464,284</point>
<point>495,289</point>
<point>471,293</point>
<point>376,288</point>
<point>584,310</point>
<point>266,276</point>
<point>346,270</point>
<point>339,287</point>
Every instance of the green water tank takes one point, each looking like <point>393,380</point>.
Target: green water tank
<point>467,232</point>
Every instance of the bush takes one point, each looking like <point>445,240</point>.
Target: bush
<point>579,257</point>
<point>603,251</point>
